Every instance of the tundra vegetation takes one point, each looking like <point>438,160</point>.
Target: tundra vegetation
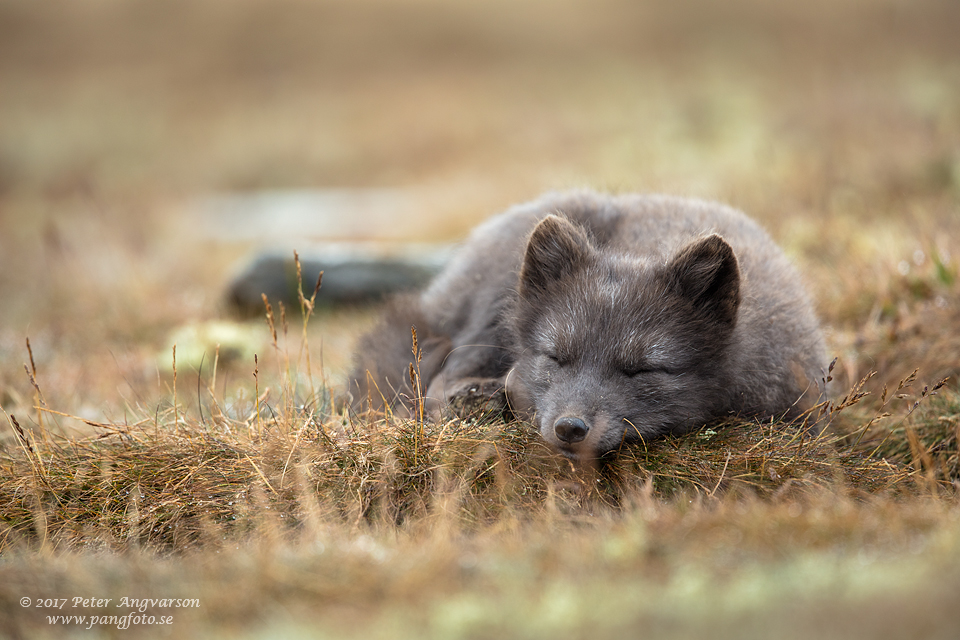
<point>131,469</point>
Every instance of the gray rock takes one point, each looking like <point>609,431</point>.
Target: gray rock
<point>359,238</point>
<point>352,273</point>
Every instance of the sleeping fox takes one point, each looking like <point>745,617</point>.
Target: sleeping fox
<point>606,319</point>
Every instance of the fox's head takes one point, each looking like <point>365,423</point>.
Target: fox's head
<point>613,347</point>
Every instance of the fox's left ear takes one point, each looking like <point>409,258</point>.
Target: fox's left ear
<point>706,273</point>
<point>556,248</point>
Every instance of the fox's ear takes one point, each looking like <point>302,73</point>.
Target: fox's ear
<point>556,248</point>
<point>706,273</point>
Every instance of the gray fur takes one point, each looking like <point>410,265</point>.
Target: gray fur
<point>617,317</point>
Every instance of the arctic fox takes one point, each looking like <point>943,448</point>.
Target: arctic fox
<point>606,319</point>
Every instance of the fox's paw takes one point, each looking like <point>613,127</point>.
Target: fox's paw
<point>468,398</point>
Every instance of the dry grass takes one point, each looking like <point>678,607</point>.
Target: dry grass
<point>338,516</point>
<point>836,124</point>
<point>445,529</point>
<point>169,486</point>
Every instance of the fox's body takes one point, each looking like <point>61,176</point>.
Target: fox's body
<point>608,319</point>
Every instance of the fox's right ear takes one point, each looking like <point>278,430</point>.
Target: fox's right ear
<point>707,274</point>
<point>556,248</point>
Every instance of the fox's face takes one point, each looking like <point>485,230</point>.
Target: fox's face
<point>613,348</point>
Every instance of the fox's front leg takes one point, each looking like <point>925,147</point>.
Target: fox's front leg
<point>471,378</point>
<point>462,397</point>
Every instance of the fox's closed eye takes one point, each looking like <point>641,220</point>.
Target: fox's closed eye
<point>632,371</point>
<point>558,359</point>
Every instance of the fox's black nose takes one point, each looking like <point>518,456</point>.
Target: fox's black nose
<point>570,429</point>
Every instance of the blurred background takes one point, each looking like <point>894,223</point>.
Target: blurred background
<point>834,122</point>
